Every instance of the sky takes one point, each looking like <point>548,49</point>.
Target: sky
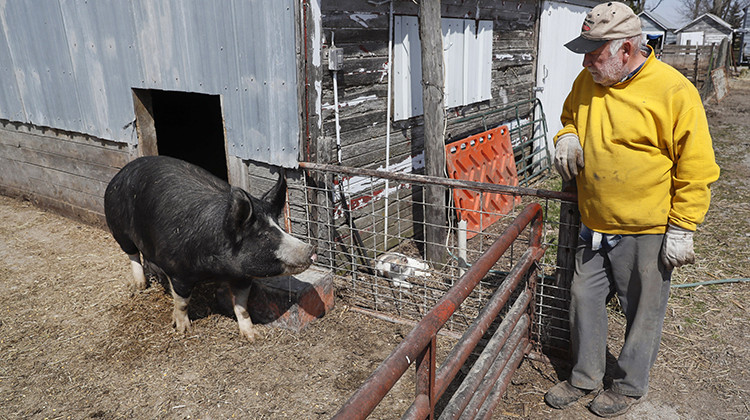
<point>668,10</point>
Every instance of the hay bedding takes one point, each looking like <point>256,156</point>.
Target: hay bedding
<point>74,343</point>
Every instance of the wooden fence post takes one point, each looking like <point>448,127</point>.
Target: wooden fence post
<point>559,309</point>
<point>697,60</point>
<point>433,87</point>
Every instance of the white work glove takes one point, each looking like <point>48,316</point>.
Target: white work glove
<point>677,248</point>
<point>568,156</point>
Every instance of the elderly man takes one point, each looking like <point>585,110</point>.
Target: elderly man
<point>635,139</point>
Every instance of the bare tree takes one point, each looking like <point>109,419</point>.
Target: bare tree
<point>637,5</point>
<point>728,10</point>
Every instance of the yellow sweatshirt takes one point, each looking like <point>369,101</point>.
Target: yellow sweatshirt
<point>648,159</point>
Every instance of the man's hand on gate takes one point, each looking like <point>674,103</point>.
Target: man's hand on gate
<point>568,156</point>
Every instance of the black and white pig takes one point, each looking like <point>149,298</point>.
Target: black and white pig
<point>197,228</point>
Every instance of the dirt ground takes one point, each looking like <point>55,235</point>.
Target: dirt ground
<point>74,343</point>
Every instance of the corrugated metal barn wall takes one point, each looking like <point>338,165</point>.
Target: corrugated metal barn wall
<point>71,65</point>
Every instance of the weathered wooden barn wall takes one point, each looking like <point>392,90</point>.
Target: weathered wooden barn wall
<point>66,172</point>
<point>361,28</point>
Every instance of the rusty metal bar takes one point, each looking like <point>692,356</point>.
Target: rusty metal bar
<point>502,382</point>
<point>468,342</point>
<point>445,182</point>
<point>476,375</point>
<point>367,397</point>
<point>425,381</point>
<point>471,337</point>
<point>498,366</point>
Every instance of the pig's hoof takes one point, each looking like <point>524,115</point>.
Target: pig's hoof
<point>181,323</point>
<point>250,334</point>
<point>137,285</point>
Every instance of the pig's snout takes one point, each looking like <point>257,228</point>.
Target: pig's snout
<point>310,255</point>
<point>296,255</point>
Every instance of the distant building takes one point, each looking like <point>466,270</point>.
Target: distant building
<point>742,36</point>
<point>658,30</point>
<point>706,29</point>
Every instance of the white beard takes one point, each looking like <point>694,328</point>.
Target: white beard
<point>611,72</point>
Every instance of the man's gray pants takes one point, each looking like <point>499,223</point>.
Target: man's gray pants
<point>633,270</point>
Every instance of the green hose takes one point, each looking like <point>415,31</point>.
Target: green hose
<point>703,283</point>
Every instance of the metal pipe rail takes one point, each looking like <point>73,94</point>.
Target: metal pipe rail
<point>445,182</point>
<point>419,346</point>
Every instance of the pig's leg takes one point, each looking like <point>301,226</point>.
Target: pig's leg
<point>180,318</point>
<point>240,294</point>
<point>139,278</point>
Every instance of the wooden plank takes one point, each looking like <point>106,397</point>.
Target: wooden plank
<point>352,121</point>
<point>145,124</point>
<point>361,49</point>
<point>66,172</point>
<point>375,157</point>
<point>338,19</point>
<point>719,81</point>
<point>67,145</point>
<point>365,72</point>
<point>33,176</point>
<point>399,207</point>
<point>34,182</point>
<point>62,207</point>
<point>66,164</point>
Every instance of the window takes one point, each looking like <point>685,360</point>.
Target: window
<point>467,62</point>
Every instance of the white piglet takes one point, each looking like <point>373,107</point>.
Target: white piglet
<point>398,267</point>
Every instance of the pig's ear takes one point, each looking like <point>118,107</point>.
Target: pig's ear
<point>276,196</point>
<point>239,213</point>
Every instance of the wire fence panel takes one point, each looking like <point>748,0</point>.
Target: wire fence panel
<point>376,255</point>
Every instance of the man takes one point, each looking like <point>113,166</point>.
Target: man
<point>635,139</point>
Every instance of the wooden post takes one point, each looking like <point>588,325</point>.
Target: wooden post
<point>558,309</point>
<point>695,65</point>
<point>433,88</point>
<point>145,125</point>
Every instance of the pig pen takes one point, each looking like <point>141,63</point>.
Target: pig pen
<point>75,344</point>
<point>100,351</point>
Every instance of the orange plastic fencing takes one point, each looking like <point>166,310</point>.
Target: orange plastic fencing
<point>485,157</point>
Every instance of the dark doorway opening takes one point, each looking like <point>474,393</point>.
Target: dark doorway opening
<point>187,126</point>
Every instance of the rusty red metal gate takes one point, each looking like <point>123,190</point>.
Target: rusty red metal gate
<point>486,382</point>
